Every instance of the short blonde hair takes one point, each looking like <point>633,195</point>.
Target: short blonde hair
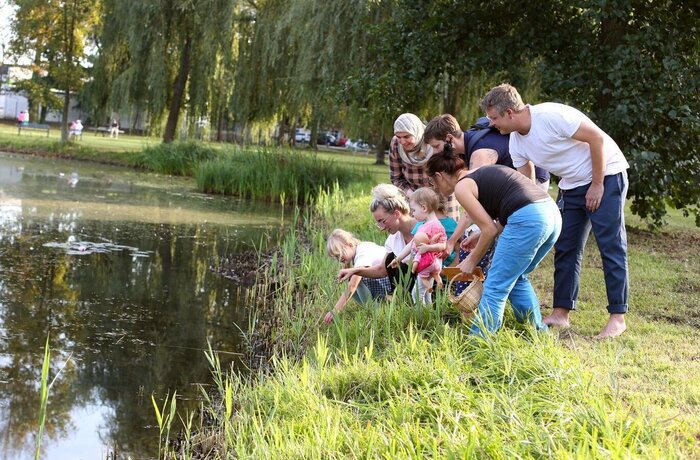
<point>426,197</point>
<point>338,241</point>
<point>389,197</point>
<point>502,97</point>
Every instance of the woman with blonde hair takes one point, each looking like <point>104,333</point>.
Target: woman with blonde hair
<point>391,213</point>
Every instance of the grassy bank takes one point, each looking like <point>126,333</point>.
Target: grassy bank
<point>395,381</point>
<point>391,380</point>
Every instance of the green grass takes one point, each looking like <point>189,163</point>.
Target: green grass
<point>177,158</point>
<point>395,381</point>
<point>125,150</point>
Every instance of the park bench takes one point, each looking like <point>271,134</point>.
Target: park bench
<point>104,130</point>
<point>33,126</point>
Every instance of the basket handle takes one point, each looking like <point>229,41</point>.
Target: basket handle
<point>455,274</point>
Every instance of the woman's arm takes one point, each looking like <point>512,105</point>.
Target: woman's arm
<point>343,300</point>
<point>467,194</point>
<point>401,256</point>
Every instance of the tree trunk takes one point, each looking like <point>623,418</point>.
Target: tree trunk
<point>381,147</point>
<point>64,118</point>
<point>178,93</point>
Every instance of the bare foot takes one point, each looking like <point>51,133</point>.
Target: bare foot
<point>615,327</point>
<point>558,318</point>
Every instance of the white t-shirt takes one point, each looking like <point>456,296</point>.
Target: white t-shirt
<point>368,254</point>
<point>549,145</point>
<point>395,243</point>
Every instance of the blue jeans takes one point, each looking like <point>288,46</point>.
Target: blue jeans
<point>608,223</point>
<point>527,237</point>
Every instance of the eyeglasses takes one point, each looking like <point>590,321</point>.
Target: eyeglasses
<point>381,223</point>
<point>431,181</point>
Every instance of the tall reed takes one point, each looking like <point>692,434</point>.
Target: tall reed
<point>176,158</point>
<point>272,175</point>
<point>44,393</point>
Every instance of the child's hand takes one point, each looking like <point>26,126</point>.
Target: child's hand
<point>345,274</point>
<point>328,319</point>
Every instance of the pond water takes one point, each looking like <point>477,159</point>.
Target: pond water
<point>115,267</point>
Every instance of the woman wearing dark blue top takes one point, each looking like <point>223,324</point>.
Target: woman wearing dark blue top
<point>502,201</point>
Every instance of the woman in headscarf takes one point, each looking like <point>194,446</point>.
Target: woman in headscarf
<point>408,155</point>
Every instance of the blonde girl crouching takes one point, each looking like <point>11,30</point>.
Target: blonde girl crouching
<point>351,252</point>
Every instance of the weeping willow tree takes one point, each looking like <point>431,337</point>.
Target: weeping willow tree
<point>160,57</point>
<point>296,53</point>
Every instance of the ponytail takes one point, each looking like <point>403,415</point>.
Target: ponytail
<point>446,162</point>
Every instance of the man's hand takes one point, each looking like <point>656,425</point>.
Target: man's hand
<point>394,263</point>
<point>593,196</point>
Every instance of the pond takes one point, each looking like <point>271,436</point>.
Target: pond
<point>115,267</point>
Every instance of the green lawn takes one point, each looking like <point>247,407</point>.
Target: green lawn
<point>103,148</point>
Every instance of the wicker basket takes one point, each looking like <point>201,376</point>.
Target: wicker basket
<point>467,301</point>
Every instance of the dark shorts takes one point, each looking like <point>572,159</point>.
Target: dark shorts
<point>399,276</point>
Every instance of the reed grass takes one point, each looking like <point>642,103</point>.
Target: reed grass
<point>273,174</point>
<point>45,390</point>
<point>177,158</point>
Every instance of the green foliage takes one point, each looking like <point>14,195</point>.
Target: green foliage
<point>156,53</point>
<point>269,174</point>
<point>54,36</point>
<point>177,158</point>
<point>437,395</point>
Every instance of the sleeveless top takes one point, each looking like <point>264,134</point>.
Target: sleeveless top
<point>503,190</point>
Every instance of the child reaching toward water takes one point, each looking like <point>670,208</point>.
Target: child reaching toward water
<point>351,252</point>
<point>428,242</point>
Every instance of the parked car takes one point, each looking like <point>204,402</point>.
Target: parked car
<point>358,145</point>
<point>325,139</point>
<point>302,137</point>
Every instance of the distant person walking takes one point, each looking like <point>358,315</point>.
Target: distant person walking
<point>114,129</point>
<point>592,193</point>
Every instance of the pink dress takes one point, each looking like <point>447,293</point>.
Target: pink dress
<point>430,262</point>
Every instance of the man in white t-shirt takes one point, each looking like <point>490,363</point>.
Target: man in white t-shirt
<point>592,191</point>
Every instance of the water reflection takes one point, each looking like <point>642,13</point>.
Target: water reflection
<point>133,322</point>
